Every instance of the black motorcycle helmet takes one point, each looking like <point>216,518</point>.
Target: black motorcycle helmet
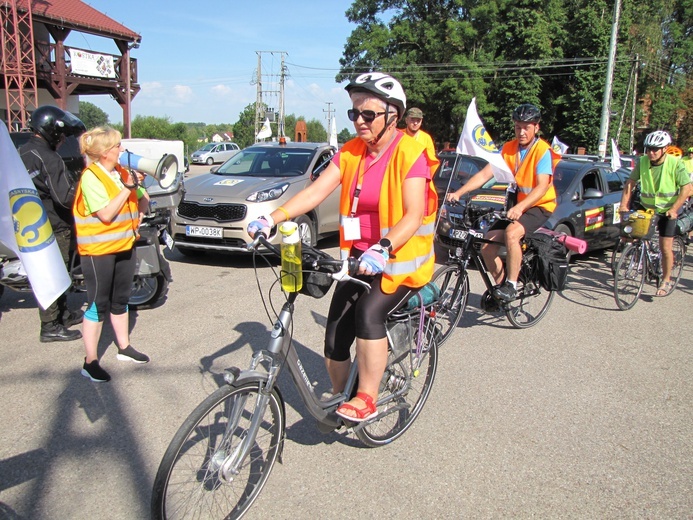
<point>51,122</point>
<point>527,113</point>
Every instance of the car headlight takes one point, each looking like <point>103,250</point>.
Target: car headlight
<point>444,211</point>
<point>269,194</point>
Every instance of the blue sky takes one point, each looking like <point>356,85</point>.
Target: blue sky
<point>197,60</point>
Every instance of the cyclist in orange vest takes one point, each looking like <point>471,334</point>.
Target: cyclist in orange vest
<point>388,206</point>
<point>107,210</point>
<point>532,161</point>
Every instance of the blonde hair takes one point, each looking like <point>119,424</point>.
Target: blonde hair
<point>97,141</point>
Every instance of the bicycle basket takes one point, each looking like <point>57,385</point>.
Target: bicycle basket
<point>639,224</point>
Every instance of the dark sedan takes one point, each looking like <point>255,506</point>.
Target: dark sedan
<point>465,167</point>
<point>588,200</point>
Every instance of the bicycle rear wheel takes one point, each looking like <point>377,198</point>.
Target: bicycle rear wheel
<point>411,384</point>
<point>532,300</point>
<point>679,250</point>
<point>630,276</point>
<point>454,292</point>
<point>195,478</point>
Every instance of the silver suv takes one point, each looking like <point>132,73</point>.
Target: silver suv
<point>214,153</point>
<point>218,206</point>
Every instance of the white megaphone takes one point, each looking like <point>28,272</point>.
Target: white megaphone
<point>163,170</point>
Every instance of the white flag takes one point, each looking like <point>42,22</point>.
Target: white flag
<point>615,156</point>
<point>476,141</point>
<point>265,131</point>
<point>558,147</point>
<point>333,133</point>
<point>25,229</point>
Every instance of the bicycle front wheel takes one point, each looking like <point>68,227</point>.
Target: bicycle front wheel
<point>532,302</point>
<point>630,276</point>
<point>200,475</point>
<point>409,382</point>
<point>453,282</point>
<point>616,253</point>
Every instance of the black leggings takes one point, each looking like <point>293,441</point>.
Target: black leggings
<point>109,283</point>
<point>355,313</point>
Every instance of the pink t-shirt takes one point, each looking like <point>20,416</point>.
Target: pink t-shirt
<point>367,209</point>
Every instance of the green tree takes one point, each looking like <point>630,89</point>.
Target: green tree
<point>316,131</point>
<point>91,115</point>
<point>344,136</point>
<point>244,128</point>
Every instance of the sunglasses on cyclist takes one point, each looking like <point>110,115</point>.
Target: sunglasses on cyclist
<point>652,149</point>
<point>368,116</point>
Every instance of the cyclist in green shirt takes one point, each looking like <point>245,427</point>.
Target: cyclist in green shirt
<point>664,187</point>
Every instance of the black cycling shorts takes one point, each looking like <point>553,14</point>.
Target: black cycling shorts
<point>531,220</point>
<point>666,226</point>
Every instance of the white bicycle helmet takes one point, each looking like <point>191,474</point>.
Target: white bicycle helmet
<point>383,86</point>
<point>658,139</point>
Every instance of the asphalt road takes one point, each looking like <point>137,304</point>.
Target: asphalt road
<point>586,415</point>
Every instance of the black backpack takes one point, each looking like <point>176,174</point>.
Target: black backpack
<point>551,261</point>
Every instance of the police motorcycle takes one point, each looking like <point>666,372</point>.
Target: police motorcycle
<point>164,183</point>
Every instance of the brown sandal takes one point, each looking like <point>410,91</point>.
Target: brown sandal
<point>362,414</point>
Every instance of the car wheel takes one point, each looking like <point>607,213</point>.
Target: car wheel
<point>209,161</point>
<point>306,230</point>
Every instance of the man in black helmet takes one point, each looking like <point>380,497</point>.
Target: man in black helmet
<point>532,162</point>
<point>56,187</point>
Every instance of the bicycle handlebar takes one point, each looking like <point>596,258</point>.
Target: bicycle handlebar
<point>348,267</point>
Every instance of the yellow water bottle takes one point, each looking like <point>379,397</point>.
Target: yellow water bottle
<point>291,274</point>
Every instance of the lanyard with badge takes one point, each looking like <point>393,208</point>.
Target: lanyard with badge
<point>352,223</point>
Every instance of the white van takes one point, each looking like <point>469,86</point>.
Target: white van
<point>215,153</point>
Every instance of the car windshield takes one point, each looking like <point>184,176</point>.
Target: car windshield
<point>207,147</point>
<point>267,162</point>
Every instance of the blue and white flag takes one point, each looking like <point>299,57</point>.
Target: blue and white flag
<point>476,141</point>
<point>615,156</point>
<point>25,229</point>
<point>558,147</point>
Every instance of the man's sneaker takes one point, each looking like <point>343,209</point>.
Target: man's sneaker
<point>505,292</point>
<point>56,331</point>
<point>71,318</point>
<point>94,372</point>
<point>130,354</point>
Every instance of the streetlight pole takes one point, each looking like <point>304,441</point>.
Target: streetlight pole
<point>606,102</point>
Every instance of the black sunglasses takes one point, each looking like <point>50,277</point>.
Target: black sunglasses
<point>368,116</point>
<point>652,149</point>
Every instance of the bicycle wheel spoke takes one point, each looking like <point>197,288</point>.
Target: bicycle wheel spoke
<point>453,283</point>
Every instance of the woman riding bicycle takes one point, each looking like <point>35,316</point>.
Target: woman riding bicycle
<point>387,210</point>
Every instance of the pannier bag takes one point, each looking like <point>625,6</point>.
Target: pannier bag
<point>551,261</point>
<point>684,223</point>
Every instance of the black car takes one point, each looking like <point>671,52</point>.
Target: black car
<point>588,200</point>
<point>465,168</point>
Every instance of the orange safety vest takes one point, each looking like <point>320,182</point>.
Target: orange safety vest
<point>525,171</point>
<point>411,264</point>
<point>94,237</point>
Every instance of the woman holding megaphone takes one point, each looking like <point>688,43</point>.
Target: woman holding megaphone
<point>109,205</point>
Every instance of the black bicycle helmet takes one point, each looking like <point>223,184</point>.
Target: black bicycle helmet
<point>527,113</point>
<point>51,122</point>
<point>382,86</point>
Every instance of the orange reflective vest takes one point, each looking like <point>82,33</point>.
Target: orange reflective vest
<point>411,264</point>
<point>94,237</point>
<point>525,170</point>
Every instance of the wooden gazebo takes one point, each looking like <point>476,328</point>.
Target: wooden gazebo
<point>35,57</point>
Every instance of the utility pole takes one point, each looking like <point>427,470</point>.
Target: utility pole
<point>631,140</point>
<point>278,89</point>
<point>606,101</point>
<point>329,116</point>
